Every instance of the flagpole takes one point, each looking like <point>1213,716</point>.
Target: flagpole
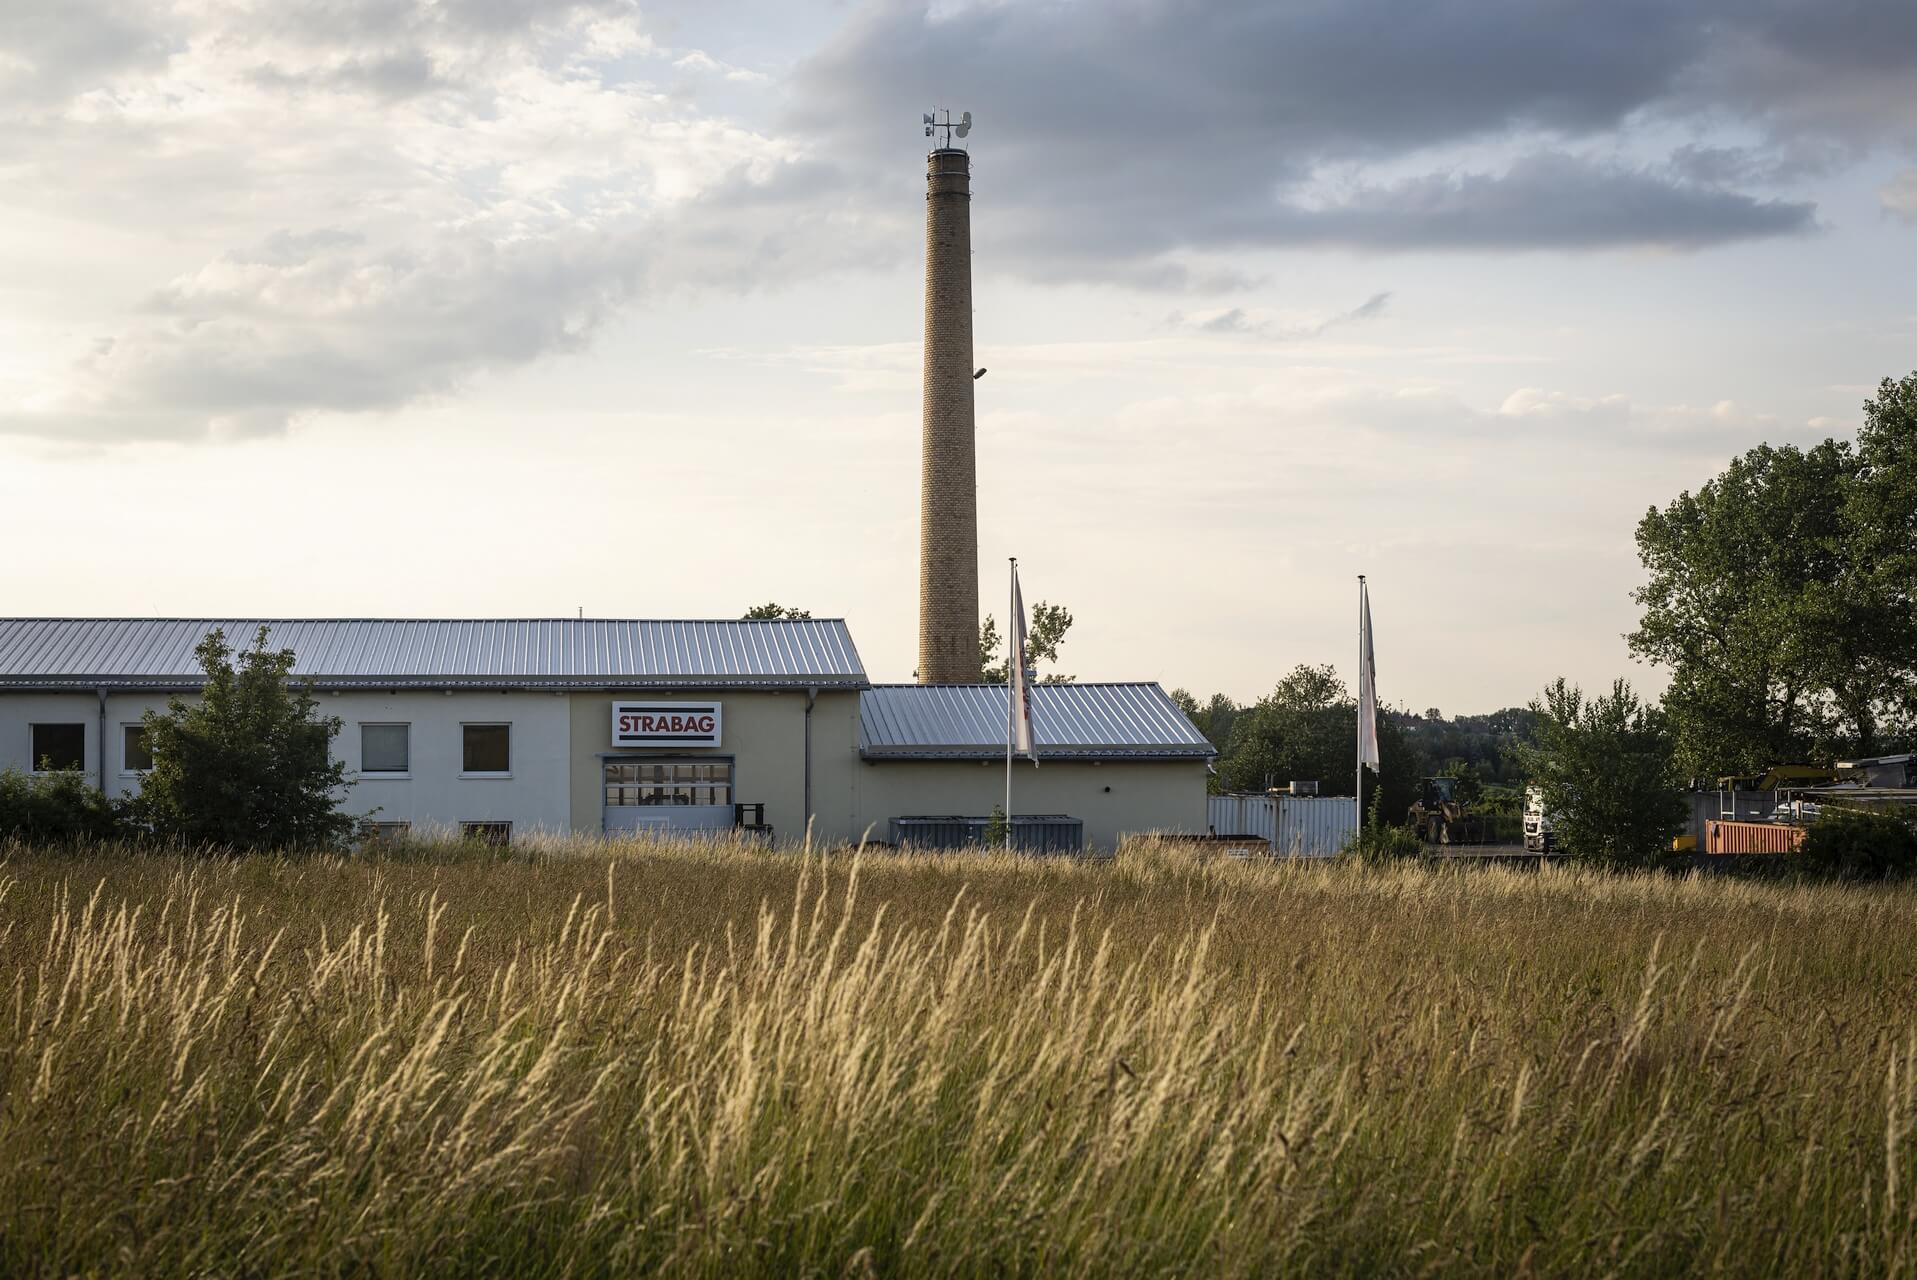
<point>1360,726</point>
<point>1011,703</point>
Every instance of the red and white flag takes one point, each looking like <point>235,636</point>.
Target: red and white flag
<point>1019,738</point>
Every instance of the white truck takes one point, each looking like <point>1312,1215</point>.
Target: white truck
<point>1538,834</point>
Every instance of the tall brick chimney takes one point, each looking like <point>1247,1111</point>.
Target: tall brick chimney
<point>948,476</point>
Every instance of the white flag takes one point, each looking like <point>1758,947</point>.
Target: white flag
<point>1367,684</point>
<point>1018,730</point>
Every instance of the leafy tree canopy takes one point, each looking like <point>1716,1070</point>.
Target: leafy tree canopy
<point>247,765</point>
<point>1305,729</point>
<point>773,611</point>
<point>1213,718</point>
<point>1043,637</point>
<point>1782,596</point>
<point>1604,764</point>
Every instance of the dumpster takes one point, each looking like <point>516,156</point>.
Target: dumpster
<point>1721,837</point>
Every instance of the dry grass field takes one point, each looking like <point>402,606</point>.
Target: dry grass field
<point>721,1062</point>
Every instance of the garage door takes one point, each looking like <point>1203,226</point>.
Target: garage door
<point>664,793</point>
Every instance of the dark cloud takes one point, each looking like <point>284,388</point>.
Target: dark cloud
<point>1541,202</point>
<point>1233,321</point>
<point>1146,144</point>
<point>1116,134</point>
<point>1371,308</point>
<point>1237,320</point>
<point>53,49</point>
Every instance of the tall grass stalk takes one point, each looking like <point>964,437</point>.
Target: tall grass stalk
<point>714,1060</point>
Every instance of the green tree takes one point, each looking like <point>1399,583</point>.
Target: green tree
<point>773,611</point>
<point>1306,730</point>
<point>1782,596</point>
<point>247,765</point>
<point>1302,730</point>
<point>1213,718</point>
<point>1485,743</point>
<point>1043,637</point>
<point>55,808</point>
<point>1605,766</point>
<point>1881,512</point>
<point>1860,846</point>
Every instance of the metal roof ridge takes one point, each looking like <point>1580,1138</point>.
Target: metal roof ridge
<point>1036,684</point>
<point>144,617</point>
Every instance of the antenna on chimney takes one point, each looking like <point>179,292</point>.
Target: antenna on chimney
<point>953,128</point>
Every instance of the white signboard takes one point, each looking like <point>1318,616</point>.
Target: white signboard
<point>665,724</point>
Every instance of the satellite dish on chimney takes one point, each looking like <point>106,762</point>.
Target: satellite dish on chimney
<point>960,127</point>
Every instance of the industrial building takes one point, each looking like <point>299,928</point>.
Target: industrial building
<point>503,727</point>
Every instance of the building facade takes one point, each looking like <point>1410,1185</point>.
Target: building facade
<point>508,727</point>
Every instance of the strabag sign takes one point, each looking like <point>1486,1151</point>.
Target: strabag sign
<point>665,724</point>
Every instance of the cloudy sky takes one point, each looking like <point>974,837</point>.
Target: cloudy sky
<point>521,307</point>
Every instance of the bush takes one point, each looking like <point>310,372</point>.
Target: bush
<point>1860,846</point>
<point>55,808</point>
<point>1386,843</point>
<point>1604,765</point>
<point>247,765</point>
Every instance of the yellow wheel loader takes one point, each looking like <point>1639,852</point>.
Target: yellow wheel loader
<point>1439,816</point>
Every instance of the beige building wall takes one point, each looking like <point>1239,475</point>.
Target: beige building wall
<point>558,743</point>
<point>1114,798</point>
<point>432,793</point>
<point>763,732</point>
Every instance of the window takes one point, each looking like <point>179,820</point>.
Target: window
<point>377,833</point>
<point>59,746</point>
<point>646,782</point>
<point>487,749</point>
<point>496,833</point>
<point>385,748</point>
<point>135,755</point>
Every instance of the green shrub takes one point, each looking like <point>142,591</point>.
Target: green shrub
<point>55,808</point>
<point>1860,846</point>
<point>246,765</point>
<point>1386,842</point>
<point>998,832</point>
<point>1604,765</point>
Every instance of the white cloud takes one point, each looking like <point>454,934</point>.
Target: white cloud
<point>1541,404</point>
<point>1899,196</point>
<point>700,60</point>
<point>405,194</point>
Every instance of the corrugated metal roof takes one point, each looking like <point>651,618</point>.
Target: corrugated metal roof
<point>41,653</point>
<point>967,721</point>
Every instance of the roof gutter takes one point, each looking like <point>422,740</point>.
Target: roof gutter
<point>811,698</point>
<point>103,739</point>
<point>434,684</point>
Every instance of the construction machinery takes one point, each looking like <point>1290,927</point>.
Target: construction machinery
<point>1540,824</point>
<point>1440,816</point>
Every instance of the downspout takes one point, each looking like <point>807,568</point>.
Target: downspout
<point>103,740</point>
<point>811,697</point>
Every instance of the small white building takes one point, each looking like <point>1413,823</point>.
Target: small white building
<point>508,726</point>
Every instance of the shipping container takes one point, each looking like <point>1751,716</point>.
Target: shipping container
<point>1030,833</point>
<point>1751,837</point>
<point>1290,826</point>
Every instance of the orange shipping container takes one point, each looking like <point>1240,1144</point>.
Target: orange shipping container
<point>1751,837</point>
